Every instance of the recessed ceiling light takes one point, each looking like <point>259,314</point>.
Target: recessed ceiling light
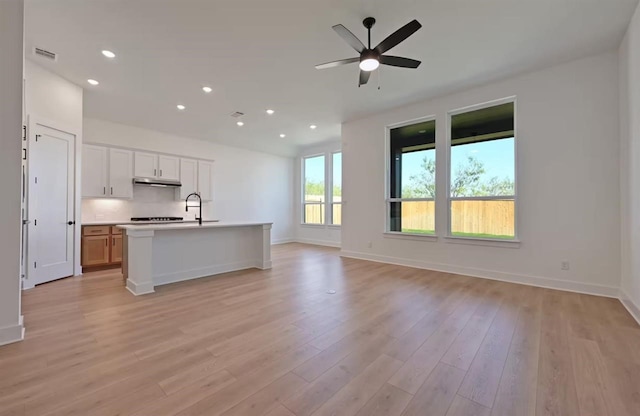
<point>180,107</point>
<point>270,111</point>
<point>93,82</point>
<point>313,127</point>
<point>282,136</point>
<point>240,123</point>
<point>207,89</point>
<point>108,54</point>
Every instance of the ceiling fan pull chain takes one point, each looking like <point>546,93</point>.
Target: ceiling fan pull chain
<point>379,71</point>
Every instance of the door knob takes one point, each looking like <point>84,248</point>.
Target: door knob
<point>71,223</point>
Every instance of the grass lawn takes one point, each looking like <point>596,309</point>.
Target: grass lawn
<point>412,231</point>
<point>472,235</point>
<point>496,236</point>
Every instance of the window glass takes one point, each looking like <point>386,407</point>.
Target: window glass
<point>314,190</point>
<point>336,196</point>
<point>412,181</point>
<point>482,173</point>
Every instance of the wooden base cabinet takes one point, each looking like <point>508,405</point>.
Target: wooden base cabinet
<point>101,246</point>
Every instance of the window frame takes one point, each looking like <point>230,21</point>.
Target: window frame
<point>303,183</point>
<point>387,192</point>
<point>448,173</point>
<point>330,200</point>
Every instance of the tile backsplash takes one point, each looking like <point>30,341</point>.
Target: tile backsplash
<point>146,202</point>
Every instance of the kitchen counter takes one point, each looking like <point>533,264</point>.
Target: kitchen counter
<point>184,225</point>
<point>158,254</point>
<point>129,222</point>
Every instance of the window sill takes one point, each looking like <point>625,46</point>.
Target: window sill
<point>409,236</point>
<point>334,226</point>
<point>313,225</point>
<point>483,242</point>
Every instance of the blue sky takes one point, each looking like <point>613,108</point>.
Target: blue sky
<point>314,169</point>
<point>496,155</point>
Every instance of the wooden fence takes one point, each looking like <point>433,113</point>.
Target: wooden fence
<point>472,217</point>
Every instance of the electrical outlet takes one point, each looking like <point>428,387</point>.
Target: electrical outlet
<point>564,265</point>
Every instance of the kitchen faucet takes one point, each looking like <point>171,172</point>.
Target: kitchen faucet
<point>187,206</point>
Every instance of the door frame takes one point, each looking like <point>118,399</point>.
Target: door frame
<point>32,122</point>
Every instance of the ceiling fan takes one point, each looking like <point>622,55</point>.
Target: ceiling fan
<point>370,58</point>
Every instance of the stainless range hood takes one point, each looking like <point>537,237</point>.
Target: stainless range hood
<point>162,183</point>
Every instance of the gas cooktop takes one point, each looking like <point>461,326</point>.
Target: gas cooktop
<point>156,219</point>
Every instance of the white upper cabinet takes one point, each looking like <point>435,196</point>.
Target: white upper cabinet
<point>120,173</point>
<point>168,167</point>
<point>205,180</point>
<point>188,177</point>
<point>94,171</point>
<point>145,165</point>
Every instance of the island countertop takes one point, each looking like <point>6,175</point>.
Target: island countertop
<point>190,225</point>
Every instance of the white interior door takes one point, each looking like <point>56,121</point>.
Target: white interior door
<point>51,204</point>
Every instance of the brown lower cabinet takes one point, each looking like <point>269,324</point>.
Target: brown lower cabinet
<point>101,246</point>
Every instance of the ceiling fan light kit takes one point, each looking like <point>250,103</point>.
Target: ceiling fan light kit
<point>371,58</point>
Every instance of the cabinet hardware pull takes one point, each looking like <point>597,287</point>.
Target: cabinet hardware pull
<point>106,242</point>
<point>112,190</point>
<point>104,190</point>
<point>160,172</point>
<point>154,172</point>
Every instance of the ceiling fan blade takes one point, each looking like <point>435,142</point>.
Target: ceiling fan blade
<point>364,77</point>
<point>333,64</point>
<point>398,36</point>
<point>399,61</point>
<point>349,37</point>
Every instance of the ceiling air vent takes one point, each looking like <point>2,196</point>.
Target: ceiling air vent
<point>45,54</point>
<point>237,114</point>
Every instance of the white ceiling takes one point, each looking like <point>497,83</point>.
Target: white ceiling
<point>259,54</point>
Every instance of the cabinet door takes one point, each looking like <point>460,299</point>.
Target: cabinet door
<point>95,250</point>
<point>145,165</point>
<point>120,173</point>
<point>116,248</point>
<point>168,167</point>
<point>205,180</point>
<point>94,171</point>
<point>188,177</point>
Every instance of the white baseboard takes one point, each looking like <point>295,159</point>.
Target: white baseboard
<point>318,242</point>
<point>283,241</point>
<point>628,303</point>
<point>569,286</point>
<point>181,276</point>
<point>11,334</point>
<point>139,289</point>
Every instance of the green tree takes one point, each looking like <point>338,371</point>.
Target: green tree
<point>422,185</point>
<point>466,180</point>
<point>313,188</point>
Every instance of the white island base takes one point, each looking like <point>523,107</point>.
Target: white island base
<point>159,254</point>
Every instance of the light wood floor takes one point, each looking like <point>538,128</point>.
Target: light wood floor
<point>391,341</point>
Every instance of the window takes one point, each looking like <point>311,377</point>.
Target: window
<point>412,178</point>
<point>482,173</point>
<point>336,192</point>
<point>314,190</point>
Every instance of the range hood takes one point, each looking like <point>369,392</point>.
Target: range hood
<point>163,183</point>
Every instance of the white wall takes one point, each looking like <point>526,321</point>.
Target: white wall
<point>326,235</point>
<point>11,22</point>
<point>247,185</point>
<point>630,164</point>
<point>56,102</point>
<point>568,182</point>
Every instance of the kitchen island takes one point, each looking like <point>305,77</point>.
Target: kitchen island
<point>158,254</point>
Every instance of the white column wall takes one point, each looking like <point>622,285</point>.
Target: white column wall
<point>11,62</point>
